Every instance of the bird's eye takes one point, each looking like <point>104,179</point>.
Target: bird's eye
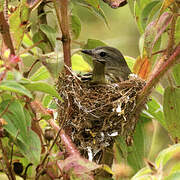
<point>102,54</point>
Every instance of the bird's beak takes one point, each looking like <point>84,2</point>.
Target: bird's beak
<point>87,51</point>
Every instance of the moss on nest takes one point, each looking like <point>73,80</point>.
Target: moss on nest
<point>94,114</point>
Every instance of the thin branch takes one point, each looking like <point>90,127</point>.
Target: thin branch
<point>11,175</point>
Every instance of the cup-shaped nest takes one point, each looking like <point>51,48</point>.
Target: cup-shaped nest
<point>93,115</point>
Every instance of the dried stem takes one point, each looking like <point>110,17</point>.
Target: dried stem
<point>61,8</point>
<point>10,174</point>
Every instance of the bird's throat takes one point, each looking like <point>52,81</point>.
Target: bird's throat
<point>98,73</point>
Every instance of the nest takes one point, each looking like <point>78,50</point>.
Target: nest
<point>93,115</point>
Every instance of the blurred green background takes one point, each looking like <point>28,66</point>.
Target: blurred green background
<point>122,32</point>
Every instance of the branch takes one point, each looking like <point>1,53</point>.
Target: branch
<point>61,8</point>
<point>4,26</point>
<point>162,67</point>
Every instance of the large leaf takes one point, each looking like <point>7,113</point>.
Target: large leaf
<point>133,154</point>
<point>41,74</point>
<point>94,7</point>
<point>176,74</point>
<point>43,87</point>
<point>171,108</point>
<point>14,86</point>
<point>19,127</point>
<point>50,33</point>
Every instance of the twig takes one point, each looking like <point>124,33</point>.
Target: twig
<point>10,174</point>
<point>31,47</point>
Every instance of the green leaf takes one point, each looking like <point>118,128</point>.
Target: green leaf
<point>167,154</point>
<point>146,11</point>
<point>176,74</point>
<point>47,99</point>
<point>19,127</point>
<point>41,74</point>
<point>130,61</point>
<point>131,5</point>
<point>1,5</point>
<point>143,174</point>
<point>18,23</point>
<point>173,176</point>
<point>155,110</point>
<point>37,37</point>
<point>154,31</point>
<point>78,64</point>
<point>75,26</point>
<point>14,86</point>
<point>171,106</point>
<point>50,33</point>
<point>92,43</point>
<point>94,3</point>
<point>43,87</point>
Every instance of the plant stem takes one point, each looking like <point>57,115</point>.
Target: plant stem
<point>61,8</point>
<point>10,174</point>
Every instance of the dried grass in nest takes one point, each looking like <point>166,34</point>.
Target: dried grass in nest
<point>93,114</point>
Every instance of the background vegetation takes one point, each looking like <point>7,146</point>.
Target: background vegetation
<point>36,36</point>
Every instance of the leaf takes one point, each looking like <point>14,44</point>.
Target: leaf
<point>41,74</point>
<point>131,5</point>
<point>154,31</point>
<point>146,11</point>
<point>173,176</point>
<point>142,67</point>
<point>14,86</point>
<point>130,61</point>
<point>43,87</point>
<point>78,164</point>
<point>37,37</point>
<point>171,106</point>
<point>155,110</point>
<point>18,23</point>
<point>92,43</point>
<point>50,33</point>
<point>75,26</point>
<point>176,73</point>
<point>1,5</point>
<point>19,127</point>
<point>94,7</point>
<point>167,154</point>
<point>94,3</point>
<point>78,64</point>
<point>143,173</point>
<point>133,154</point>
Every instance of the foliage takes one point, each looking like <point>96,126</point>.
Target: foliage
<point>30,61</point>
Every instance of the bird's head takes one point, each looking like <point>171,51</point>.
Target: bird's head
<point>110,56</point>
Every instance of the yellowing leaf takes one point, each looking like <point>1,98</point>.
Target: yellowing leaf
<point>142,67</point>
<point>78,64</point>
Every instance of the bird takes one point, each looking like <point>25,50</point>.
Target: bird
<point>109,65</point>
